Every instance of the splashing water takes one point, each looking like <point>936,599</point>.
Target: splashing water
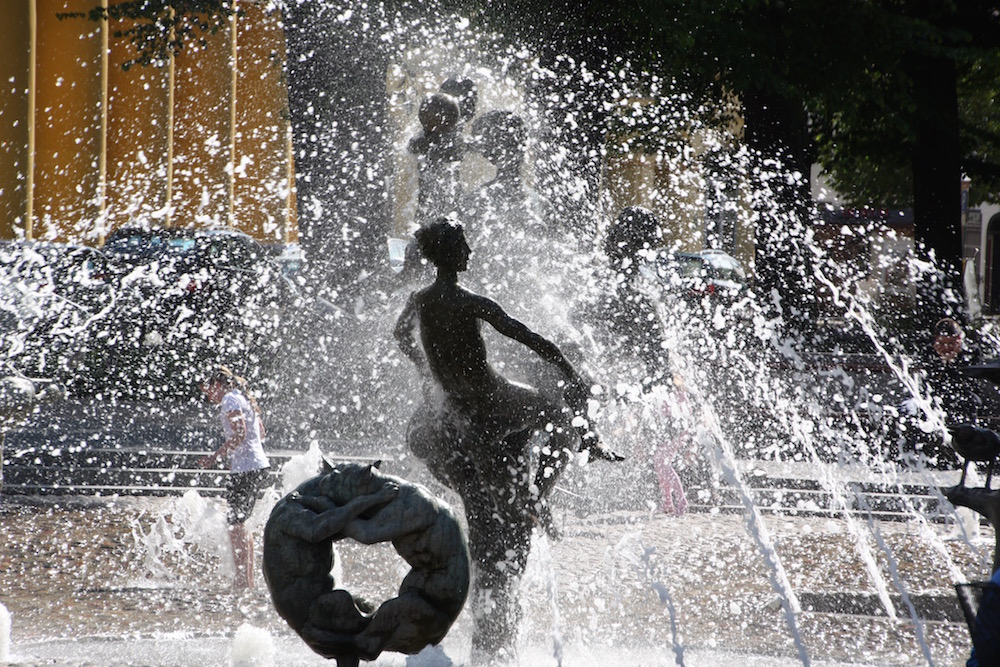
<point>764,401</point>
<point>4,633</point>
<point>252,647</point>
<point>189,531</point>
<point>643,562</point>
<point>544,555</point>
<point>432,656</point>
<point>300,468</point>
<point>779,580</point>
<point>548,274</point>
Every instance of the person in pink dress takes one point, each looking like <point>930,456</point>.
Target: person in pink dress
<point>676,408</point>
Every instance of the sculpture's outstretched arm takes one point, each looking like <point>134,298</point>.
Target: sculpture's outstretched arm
<point>490,311</point>
<point>578,388</point>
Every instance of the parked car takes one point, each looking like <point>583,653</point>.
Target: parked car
<point>75,272</point>
<point>711,273</point>
<point>52,298</point>
<point>190,297</point>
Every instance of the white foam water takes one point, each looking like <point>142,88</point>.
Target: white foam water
<point>5,628</point>
<point>252,647</point>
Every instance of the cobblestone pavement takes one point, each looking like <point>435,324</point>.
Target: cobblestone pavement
<point>145,581</point>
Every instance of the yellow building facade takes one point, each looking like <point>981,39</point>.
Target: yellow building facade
<point>676,188</point>
<point>87,146</point>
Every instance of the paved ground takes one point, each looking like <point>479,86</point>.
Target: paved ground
<point>145,582</point>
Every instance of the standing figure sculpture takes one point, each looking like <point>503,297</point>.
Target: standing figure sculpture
<point>439,150</point>
<point>500,137</point>
<point>360,502</point>
<point>474,428</point>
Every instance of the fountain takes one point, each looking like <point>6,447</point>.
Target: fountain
<point>805,541</point>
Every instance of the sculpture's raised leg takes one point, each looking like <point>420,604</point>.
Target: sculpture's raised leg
<point>492,479</point>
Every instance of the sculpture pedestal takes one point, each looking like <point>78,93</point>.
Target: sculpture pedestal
<point>984,502</point>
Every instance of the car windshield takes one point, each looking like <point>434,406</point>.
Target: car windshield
<point>697,268</point>
<point>179,246</point>
<point>138,244</point>
<point>689,266</point>
<point>146,245</point>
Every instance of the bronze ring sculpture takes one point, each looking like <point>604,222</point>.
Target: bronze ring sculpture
<point>361,502</point>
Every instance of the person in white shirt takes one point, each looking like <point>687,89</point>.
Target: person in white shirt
<point>243,447</point>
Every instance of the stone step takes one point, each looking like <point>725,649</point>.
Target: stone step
<point>101,471</point>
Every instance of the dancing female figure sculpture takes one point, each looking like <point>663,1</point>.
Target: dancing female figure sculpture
<point>474,427</point>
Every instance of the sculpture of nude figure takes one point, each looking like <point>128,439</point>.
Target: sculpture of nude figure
<point>477,408</point>
<point>439,150</point>
<point>474,428</point>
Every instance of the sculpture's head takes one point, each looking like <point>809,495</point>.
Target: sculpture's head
<point>501,136</point>
<point>438,113</point>
<point>443,244</point>
<point>464,90</point>
<point>343,482</point>
<point>636,228</point>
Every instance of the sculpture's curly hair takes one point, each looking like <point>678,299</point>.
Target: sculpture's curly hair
<point>437,240</point>
<point>465,91</point>
<point>636,228</point>
<point>440,111</point>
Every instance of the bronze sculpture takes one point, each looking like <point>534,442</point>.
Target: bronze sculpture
<point>474,427</point>
<point>439,149</point>
<point>362,503</point>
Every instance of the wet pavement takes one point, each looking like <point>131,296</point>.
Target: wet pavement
<point>145,581</point>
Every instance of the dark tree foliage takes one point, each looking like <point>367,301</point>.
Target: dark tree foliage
<point>158,27</point>
<point>895,98</point>
<point>979,125</point>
